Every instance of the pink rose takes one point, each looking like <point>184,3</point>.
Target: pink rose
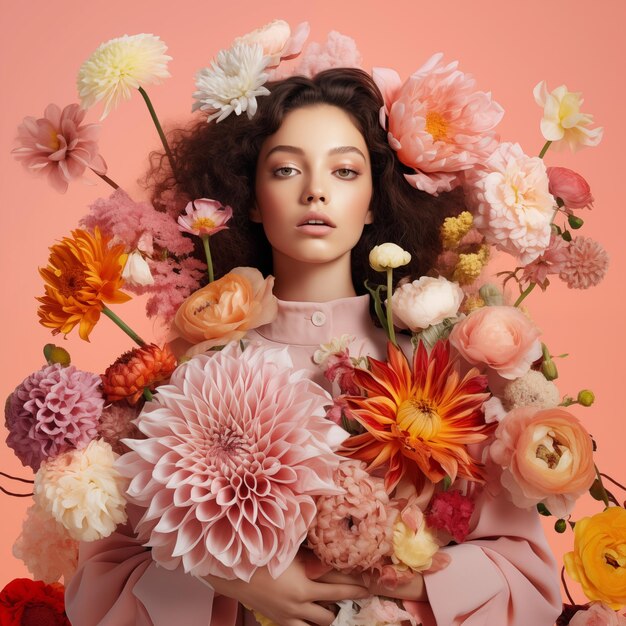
<point>598,614</point>
<point>546,456</point>
<point>571,187</point>
<point>501,337</point>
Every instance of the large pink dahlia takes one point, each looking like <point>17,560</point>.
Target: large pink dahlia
<point>237,447</point>
<point>438,122</point>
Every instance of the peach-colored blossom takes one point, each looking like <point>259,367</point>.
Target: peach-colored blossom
<point>59,145</point>
<point>598,614</point>
<point>546,456</point>
<point>500,337</point>
<point>226,309</point>
<point>438,123</point>
<point>277,41</point>
<point>570,187</point>
<point>512,202</point>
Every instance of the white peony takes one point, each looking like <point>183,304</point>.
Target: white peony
<point>120,65</point>
<point>137,271</point>
<point>83,491</point>
<point>514,208</point>
<point>425,302</point>
<point>562,120</point>
<point>233,82</point>
<point>388,256</point>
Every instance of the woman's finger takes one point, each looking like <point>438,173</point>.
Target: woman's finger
<point>316,614</point>
<point>336,592</point>
<point>336,577</point>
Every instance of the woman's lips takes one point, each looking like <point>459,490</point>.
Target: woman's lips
<point>316,224</point>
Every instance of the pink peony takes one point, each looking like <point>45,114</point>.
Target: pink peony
<point>585,265</point>
<point>550,261</point>
<point>353,530</point>
<point>546,456</point>
<point>570,187</point>
<point>204,217</point>
<point>59,145</point>
<point>598,614</point>
<point>438,123</point>
<point>46,548</point>
<point>500,337</point>
<point>451,511</point>
<point>237,448</point>
<point>51,411</point>
<point>513,207</point>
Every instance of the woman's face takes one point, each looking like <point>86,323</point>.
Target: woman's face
<point>313,186</point>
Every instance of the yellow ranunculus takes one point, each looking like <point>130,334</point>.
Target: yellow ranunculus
<point>414,549</point>
<point>598,561</point>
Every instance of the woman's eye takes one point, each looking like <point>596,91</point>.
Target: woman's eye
<point>285,172</point>
<point>346,172</point>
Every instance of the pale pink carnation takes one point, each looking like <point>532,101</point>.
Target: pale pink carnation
<point>598,614</point>
<point>451,511</point>
<point>59,145</point>
<point>550,261</point>
<point>513,205</point>
<point>353,530</point>
<point>46,548</point>
<point>51,411</point>
<point>585,265</point>
<point>116,424</point>
<point>438,122</point>
<point>237,449</point>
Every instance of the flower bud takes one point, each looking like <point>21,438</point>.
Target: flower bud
<point>388,256</point>
<point>491,294</point>
<point>570,187</point>
<point>560,525</point>
<point>549,370</point>
<point>55,354</point>
<point>586,397</point>
<point>575,222</point>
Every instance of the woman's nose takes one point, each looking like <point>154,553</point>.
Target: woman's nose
<point>314,192</point>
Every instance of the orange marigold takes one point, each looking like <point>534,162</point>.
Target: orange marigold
<point>419,423</point>
<point>83,273</point>
<point>136,370</point>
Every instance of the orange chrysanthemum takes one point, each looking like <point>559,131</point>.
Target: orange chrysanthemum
<point>137,370</point>
<point>419,423</point>
<point>83,273</point>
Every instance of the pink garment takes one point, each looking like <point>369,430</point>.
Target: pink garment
<point>503,575</point>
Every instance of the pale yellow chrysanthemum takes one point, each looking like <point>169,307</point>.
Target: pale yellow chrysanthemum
<point>120,65</point>
<point>469,266</point>
<point>454,229</point>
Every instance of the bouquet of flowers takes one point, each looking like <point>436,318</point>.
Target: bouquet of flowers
<point>236,457</point>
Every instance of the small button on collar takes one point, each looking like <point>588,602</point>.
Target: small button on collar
<point>318,318</point>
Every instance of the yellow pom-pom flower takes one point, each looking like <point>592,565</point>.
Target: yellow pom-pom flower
<point>455,228</point>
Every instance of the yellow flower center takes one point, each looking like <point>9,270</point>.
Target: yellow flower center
<point>203,223</point>
<point>419,418</point>
<point>54,141</point>
<point>436,125</point>
<point>72,280</point>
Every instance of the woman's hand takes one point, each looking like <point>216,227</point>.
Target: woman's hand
<point>414,589</point>
<point>291,599</point>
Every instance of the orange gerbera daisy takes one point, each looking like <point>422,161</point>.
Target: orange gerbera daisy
<point>137,370</point>
<point>420,422</point>
<point>83,273</point>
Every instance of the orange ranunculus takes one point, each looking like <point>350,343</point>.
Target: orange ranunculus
<point>226,309</point>
<point>598,561</point>
<point>419,422</point>
<point>83,273</point>
<point>136,370</point>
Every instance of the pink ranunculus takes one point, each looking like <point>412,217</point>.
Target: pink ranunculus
<point>277,40</point>
<point>59,145</point>
<point>571,187</point>
<point>237,449</point>
<point>500,337</point>
<point>546,456</point>
<point>598,614</point>
<point>204,217</point>
<point>439,124</point>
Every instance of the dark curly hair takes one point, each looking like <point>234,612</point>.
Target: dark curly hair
<point>218,160</point>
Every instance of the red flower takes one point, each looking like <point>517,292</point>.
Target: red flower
<point>451,511</point>
<point>25,602</point>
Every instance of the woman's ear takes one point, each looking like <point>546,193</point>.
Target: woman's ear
<point>255,215</point>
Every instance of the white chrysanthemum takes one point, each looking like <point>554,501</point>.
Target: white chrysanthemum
<point>233,82</point>
<point>83,491</point>
<point>120,65</point>
<point>514,207</point>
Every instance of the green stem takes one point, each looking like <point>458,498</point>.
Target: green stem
<point>605,495</point>
<point>155,119</point>
<point>147,394</point>
<point>207,253</point>
<point>525,293</point>
<point>127,329</point>
<point>106,179</point>
<point>544,149</point>
<point>390,329</point>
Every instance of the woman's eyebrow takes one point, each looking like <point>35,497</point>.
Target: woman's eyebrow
<point>300,151</point>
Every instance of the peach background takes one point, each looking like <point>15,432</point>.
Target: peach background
<point>508,46</point>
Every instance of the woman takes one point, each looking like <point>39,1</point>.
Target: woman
<point>314,186</point>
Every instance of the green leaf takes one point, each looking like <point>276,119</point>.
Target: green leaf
<point>543,510</point>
